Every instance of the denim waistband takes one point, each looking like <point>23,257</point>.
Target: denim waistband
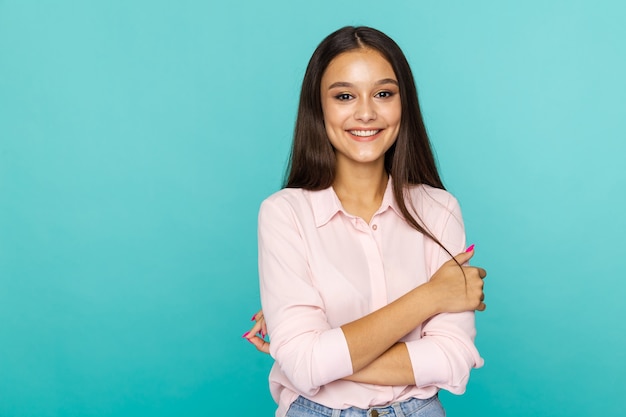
<point>409,407</point>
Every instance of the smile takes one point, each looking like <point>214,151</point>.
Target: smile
<point>364,133</point>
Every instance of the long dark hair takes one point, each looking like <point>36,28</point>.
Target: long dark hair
<point>410,159</point>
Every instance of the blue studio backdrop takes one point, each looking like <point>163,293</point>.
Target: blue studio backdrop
<point>138,138</point>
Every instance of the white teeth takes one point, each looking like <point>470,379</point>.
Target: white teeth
<point>364,133</point>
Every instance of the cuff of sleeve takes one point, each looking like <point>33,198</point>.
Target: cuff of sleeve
<point>429,363</point>
<point>334,361</point>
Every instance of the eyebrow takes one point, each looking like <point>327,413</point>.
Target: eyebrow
<point>347,84</point>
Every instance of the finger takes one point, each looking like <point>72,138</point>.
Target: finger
<point>481,307</point>
<point>260,326</point>
<point>464,257</point>
<point>260,344</point>
<point>257,316</point>
<point>473,270</point>
<point>256,328</point>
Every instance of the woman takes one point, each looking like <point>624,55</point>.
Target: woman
<point>367,311</point>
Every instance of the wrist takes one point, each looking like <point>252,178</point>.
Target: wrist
<point>430,300</point>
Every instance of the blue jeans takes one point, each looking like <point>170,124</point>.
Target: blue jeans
<point>414,407</point>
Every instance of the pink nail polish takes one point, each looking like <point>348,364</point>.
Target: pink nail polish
<point>253,318</point>
<point>470,248</point>
<point>245,334</point>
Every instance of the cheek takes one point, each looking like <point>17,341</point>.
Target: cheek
<point>327,114</point>
<point>333,120</point>
<point>394,115</point>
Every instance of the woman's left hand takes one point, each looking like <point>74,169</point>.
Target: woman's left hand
<point>257,333</point>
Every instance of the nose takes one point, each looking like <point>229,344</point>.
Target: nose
<point>365,110</point>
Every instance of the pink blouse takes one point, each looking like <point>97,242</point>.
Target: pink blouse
<point>321,267</point>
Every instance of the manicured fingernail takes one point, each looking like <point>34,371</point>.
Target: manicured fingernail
<point>245,334</point>
<point>262,333</point>
<point>470,248</point>
<point>253,317</point>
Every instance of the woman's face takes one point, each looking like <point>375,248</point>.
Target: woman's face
<point>361,106</point>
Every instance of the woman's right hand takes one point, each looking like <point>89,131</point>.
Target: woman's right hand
<point>454,292</point>
<point>256,335</point>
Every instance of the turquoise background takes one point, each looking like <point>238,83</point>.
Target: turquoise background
<point>138,138</point>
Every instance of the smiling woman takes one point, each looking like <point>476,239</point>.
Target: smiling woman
<point>367,310</point>
<point>362,116</point>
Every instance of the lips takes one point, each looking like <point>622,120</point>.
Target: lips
<point>364,134</point>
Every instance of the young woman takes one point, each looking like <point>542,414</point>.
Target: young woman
<point>367,310</point>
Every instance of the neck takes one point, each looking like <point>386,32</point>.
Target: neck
<point>361,188</point>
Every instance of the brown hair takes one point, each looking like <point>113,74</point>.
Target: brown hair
<point>410,159</point>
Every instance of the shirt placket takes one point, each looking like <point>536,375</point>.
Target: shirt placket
<point>374,263</point>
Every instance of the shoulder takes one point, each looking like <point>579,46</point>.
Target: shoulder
<point>438,209</point>
<point>285,198</point>
<point>294,203</point>
<point>431,200</point>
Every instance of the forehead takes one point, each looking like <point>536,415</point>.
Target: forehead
<point>359,65</point>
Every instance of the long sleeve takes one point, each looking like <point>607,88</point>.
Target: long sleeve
<point>445,354</point>
<point>308,351</point>
<point>321,267</point>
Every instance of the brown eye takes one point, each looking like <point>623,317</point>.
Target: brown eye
<point>343,96</point>
<point>384,94</point>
